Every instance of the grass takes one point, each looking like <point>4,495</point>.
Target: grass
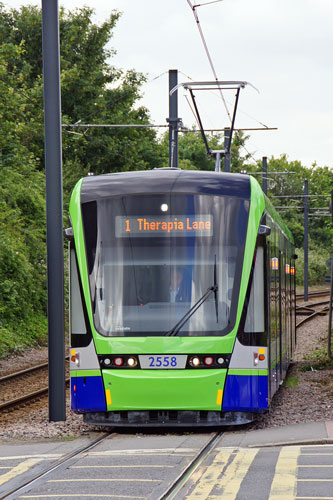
<point>319,360</point>
<point>291,382</point>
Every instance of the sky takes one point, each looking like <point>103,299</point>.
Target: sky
<point>282,47</point>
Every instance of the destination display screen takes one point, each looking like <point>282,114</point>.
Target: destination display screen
<point>177,225</point>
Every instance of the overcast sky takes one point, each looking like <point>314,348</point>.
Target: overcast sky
<point>282,47</point>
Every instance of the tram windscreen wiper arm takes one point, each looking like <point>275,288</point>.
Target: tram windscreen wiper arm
<point>191,311</point>
<point>215,293</point>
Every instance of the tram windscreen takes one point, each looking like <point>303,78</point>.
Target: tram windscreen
<point>151,258</point>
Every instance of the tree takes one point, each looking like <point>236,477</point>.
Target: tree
<point>93,91</point>
<point>193,153</point>
<point>22,214</point>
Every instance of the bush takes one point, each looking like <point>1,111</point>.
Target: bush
<point>317,267</point>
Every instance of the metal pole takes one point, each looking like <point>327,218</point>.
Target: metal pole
<point>54,227</point>
<point>306,239</point>
<point>218,161</point>
<point>227,147</point>
<point>203,135</point>
<point>173,119</point>
<point>329,346</point>
<point>264,174</point>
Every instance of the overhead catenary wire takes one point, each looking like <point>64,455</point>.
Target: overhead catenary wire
<point>113,125</point>
<point>166,73</point>
<point>207,3</point>
<point>193,8</point>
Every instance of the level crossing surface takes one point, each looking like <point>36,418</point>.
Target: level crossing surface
<point>290,463</point>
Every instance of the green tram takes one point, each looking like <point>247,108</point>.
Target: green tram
<point>182,298</point>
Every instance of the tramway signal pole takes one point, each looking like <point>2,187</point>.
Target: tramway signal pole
<point>329,339</point>
<point>306,239</point>
<point>264,174</point>
<point>173,119</point>
<point>54,223</point>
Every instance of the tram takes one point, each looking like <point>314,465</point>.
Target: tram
<point>182,298</point>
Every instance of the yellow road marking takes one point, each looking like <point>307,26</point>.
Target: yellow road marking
<point>104,480</point>
<point>285,478</point>
<point>121,466</point>
<point>229,484</point>
<point>24,457</point>
<point>209,478</point>
<point>19,469</point>
<point>80,495</point>
<point>314,480</point>
<point>233,474</point>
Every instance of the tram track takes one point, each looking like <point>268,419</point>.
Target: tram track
<point>10,386</point>
<point>313,294</point>
<point>61,462</point>
<point>66,462</point>
<point>185,475</point>
<point>311,313</point>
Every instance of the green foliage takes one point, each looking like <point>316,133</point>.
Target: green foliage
<point>320,182</point>
<point>292,382</point>
<point>319,360</point>
<point>93,91</point>
<point>193,154</point>
<point>316,265</point>
<point>22,222</point>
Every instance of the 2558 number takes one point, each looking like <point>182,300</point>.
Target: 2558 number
<point>162,361</point>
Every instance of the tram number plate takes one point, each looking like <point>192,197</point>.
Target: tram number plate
<point>162,361</point>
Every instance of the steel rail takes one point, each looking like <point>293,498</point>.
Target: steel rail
<point>185,475</point>
<point>319,293</point>
<point>26,397</point>
<point>23,372</point>
<point>50,468</point>
<point>311,316</point>
<point>309,306</point>
<point>26,371</point>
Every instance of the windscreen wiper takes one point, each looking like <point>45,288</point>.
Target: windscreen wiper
<point>195,307</point>
<point>191,311</point>
<point>215,293</point>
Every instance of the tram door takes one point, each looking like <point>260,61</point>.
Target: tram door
<point>274,297</point>
<point>284,346</point>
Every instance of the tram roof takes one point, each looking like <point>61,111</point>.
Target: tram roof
<point>165,180</point>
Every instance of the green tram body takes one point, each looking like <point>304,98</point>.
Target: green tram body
<point>182,299</point>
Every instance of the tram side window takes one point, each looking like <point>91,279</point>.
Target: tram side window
<point>78,324</point>
<point>255,319</point>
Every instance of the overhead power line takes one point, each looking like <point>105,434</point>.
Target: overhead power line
<point>113,125</point>
<point>207,3</point>
<point>193,8</point>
